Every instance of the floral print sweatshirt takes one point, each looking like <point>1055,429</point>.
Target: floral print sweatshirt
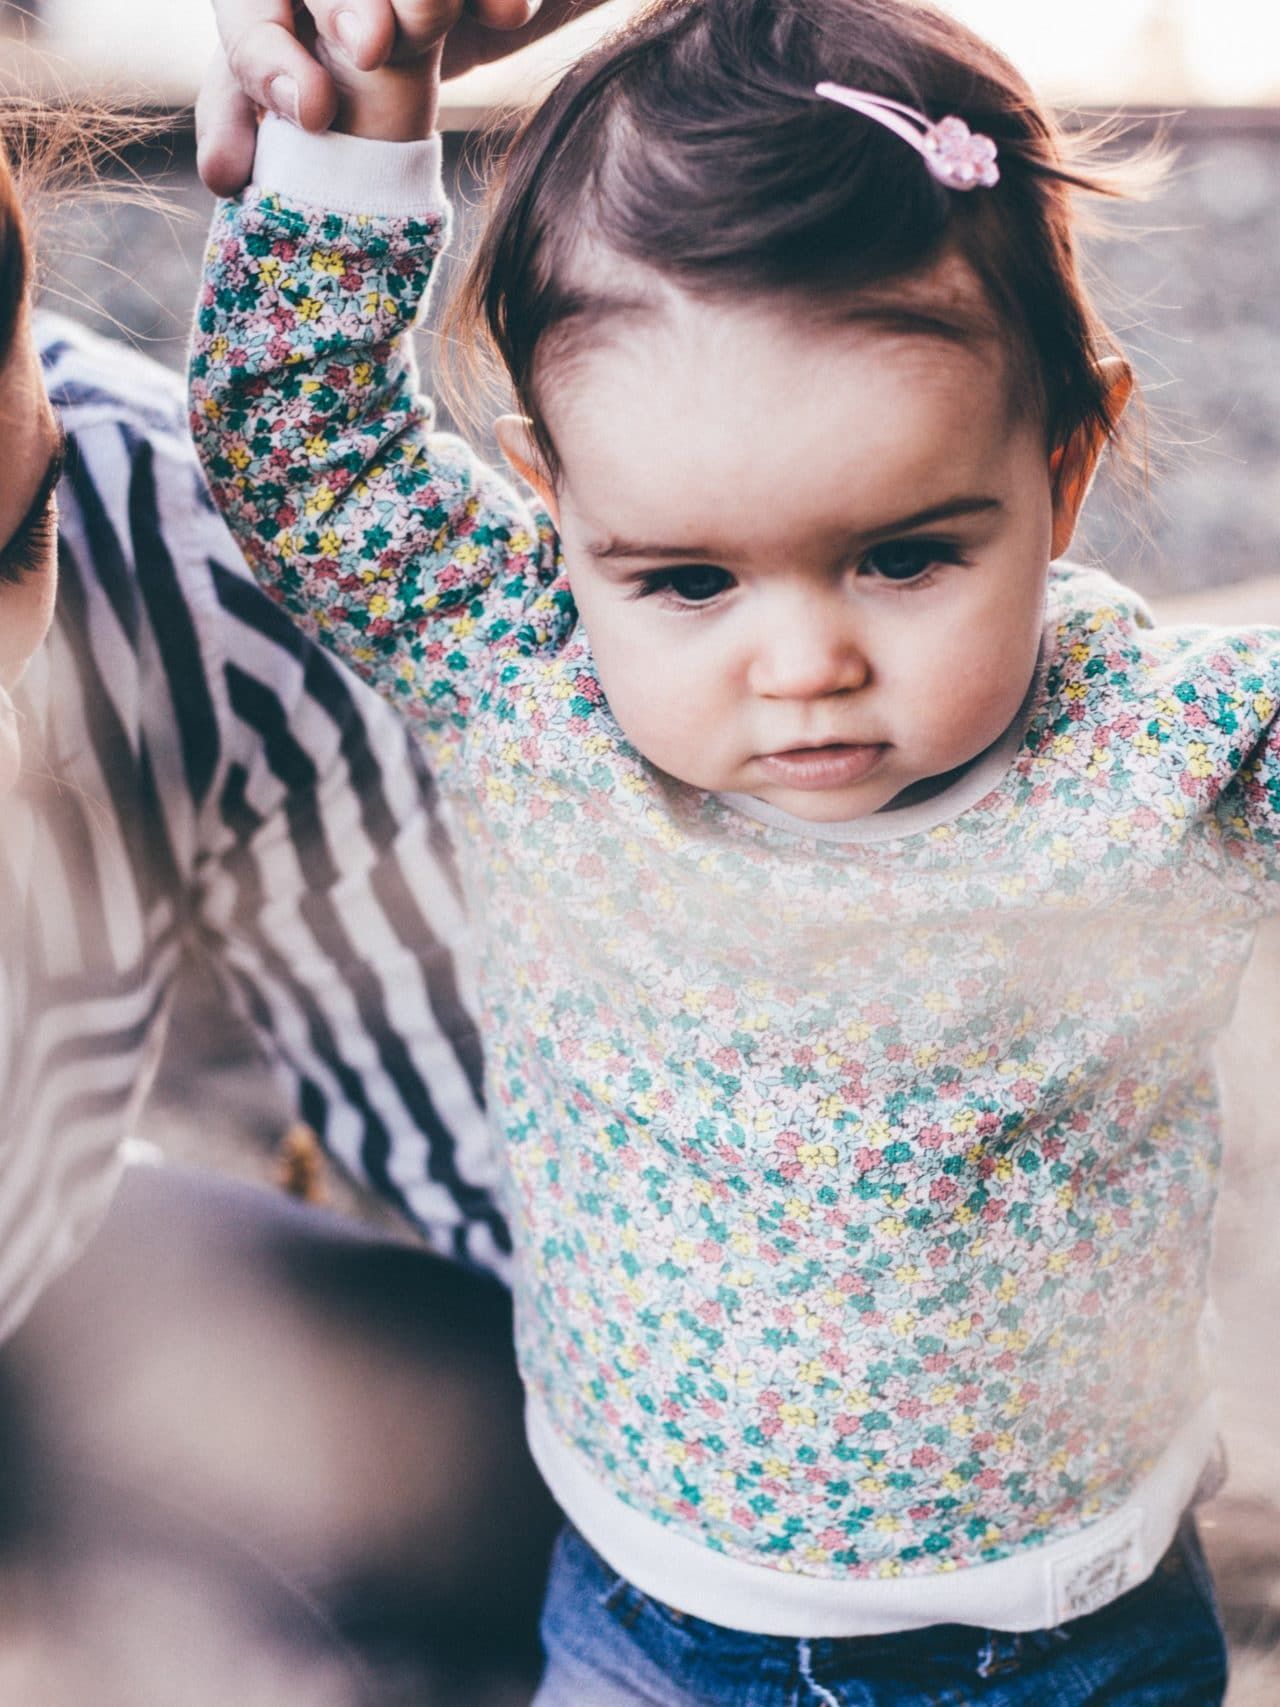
<point>861,1188</point>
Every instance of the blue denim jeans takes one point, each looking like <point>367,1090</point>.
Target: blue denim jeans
<point>609,1645</point>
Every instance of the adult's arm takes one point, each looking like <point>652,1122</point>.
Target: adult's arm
<point>281,821</point>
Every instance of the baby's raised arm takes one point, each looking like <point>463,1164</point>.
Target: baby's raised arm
<point>391,542</point>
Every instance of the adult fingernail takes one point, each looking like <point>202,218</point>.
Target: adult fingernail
<point>350,32</point>
<point>282,92</point>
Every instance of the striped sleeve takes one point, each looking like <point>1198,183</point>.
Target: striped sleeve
<point>275,815</point>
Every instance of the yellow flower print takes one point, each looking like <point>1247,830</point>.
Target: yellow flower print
<point>316,445</point>
<point>320,502</point>
<point>1146,744</point>
<point>817,1155</point>
<point>1198,761</point>
<point>310,308</point>
<point>328,261</point>
<point>268,271</point>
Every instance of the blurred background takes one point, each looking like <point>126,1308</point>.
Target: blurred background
<point>1190,283</point>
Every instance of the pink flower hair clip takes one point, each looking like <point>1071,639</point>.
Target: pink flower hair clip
<point>958,157</point>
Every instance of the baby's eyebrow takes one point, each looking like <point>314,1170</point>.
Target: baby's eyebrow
<point>946,511</point>
<point>610,547</point>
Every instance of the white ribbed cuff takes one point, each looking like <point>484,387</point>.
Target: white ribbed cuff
<point>349,174</point>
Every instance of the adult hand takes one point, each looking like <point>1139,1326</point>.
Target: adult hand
<point>280,55</point>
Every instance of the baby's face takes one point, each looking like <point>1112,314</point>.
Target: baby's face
<point>811,562</point>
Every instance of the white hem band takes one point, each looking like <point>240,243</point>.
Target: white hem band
<point>1034,1590</point>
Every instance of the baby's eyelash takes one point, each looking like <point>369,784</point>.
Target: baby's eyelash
<point>932,554</point>
<point>688,585</point>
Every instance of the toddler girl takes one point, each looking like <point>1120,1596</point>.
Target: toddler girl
<point>858,888</point>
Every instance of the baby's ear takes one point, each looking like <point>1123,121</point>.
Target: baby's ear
<point>515,435</point>
<point>1073,465</point>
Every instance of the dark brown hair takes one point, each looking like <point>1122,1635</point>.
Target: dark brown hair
<point>691,143</point>
<point>15,263</point>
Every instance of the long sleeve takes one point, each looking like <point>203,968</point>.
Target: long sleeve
<point>230,790</point>
<point>391,542</point>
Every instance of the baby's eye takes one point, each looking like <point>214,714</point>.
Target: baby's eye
<point>906,559</point>
<point>692,583</point>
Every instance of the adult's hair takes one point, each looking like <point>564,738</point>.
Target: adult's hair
<point>50,152</point>
<point>15,263</point>
<point>692,143</point>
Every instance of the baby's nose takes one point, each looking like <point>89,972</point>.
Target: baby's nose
<point>809,656</point>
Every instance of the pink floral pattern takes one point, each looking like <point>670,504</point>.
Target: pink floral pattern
<point>862,1191</point>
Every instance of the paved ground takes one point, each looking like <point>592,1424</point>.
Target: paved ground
<point>1203,320</point>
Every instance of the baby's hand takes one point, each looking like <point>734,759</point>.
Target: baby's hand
<point>370,66</point>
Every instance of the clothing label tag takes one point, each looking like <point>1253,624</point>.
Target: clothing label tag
<point>1096,1575</point>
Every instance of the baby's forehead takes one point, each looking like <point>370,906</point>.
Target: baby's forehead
<point>627,314</point>
<point>637,333</point>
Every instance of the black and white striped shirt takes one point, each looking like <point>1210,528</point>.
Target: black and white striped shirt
<point>199,777</point>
